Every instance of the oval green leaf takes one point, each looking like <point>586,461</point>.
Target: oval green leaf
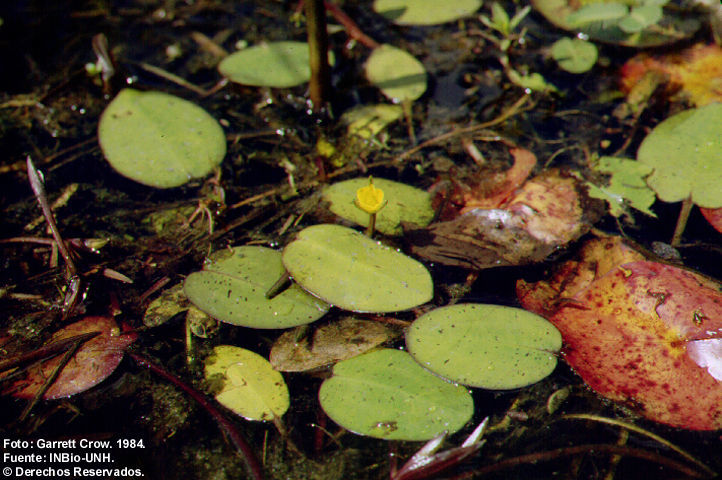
<point>684,151</point>
<point>246,383</point>
<point>159,140</point>
<point>574,55</point>
<point>404,203</point>
<point>367,121</point>
<point>274,64</point>
<point>425,12</point>
<point>397,73</point>
<point>603,21</point>
<point>232,288</point>
<point>347,269</point>
<point>385,394</point>
<point>487,346</point>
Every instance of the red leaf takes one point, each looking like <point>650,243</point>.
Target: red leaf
<point>94,361</point>
<point>644,333</point>
<point>713,216</point>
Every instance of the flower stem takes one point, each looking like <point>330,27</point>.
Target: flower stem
<point>372,225</point>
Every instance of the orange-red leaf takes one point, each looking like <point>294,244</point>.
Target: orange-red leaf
<point>644,333</point>
<point>713,216</point>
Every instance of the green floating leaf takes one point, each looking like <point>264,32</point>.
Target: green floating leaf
<point>684,151</point>
<point>158,139</point>
<point>626,184</point>
<point>602,21</point>
<point>353,272</point>
<point>385,394</point>
<point>367,121</point>
<point>246,383</point>
<point>533,81</point>
<point>640,18</point>
<point>403,204</point>
<point>232,288</point>
<point>274,64</point>
<point>397,73</point>
<point>574,55</point>
<point>488,346</point>
<point>597,12</point>
<point>425,12</point>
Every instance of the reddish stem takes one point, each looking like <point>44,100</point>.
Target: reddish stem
<point>252,464</point>
<point>350,26</point>
<point>558,453</point>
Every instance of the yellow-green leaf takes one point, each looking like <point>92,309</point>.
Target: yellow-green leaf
<point>246,383</point>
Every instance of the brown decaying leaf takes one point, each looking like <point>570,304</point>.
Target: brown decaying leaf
<point>543,214</point>
<point>694,74</point>
<point>94,361</point>
<point>643,333</point>
<point>329,343</point>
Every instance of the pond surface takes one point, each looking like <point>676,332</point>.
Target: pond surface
<point>266,191</point>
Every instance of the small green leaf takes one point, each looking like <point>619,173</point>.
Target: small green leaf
<point>640,18</point>
<point>599,20</point>
<point>574,55</point>
<point>385,394</point>
<point>158,139</point>
<point>348,269</point>
<point>274,64</point>
<point>399,75</point>
<point>403,204</point>
<point>425,12</point>
<point>684,151</point>
<point>488,346</point>
<point>499,18</point>
<point>597,12</point>
<point>246,383</point>
<point>232,288</point>
<point>367,121</point>
<point>627,183</point>
<point>533,81</point>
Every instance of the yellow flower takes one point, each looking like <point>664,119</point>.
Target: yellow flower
<point>369,198</point>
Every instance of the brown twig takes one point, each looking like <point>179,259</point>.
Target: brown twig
<point>252,464</point>
<point>513,110</point>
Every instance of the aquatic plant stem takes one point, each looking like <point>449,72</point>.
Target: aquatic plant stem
<point>320,83</point>
<point>283,282</point>
<point>638,430</point>
<point>252,464</point>
<point>372,225</point>
<point>350,26</point>
<point>37,185</point>
<point>535,458</point>
<point>684,212</point>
